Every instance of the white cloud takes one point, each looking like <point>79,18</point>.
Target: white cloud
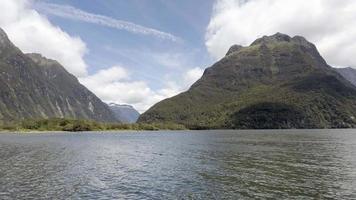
<point>32,32</point>
<point>330,24</point>
<point>108,75</point>
<point>70,12</point>
<point>115,85</point>
<point>170,60</point>
<point>192,75</point>
<point>185,80</point>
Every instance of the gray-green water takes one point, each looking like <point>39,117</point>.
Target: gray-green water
<point>293,164</point>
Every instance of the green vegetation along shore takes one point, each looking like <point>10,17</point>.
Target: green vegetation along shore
<point>73,125</point>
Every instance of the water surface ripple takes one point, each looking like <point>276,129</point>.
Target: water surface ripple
<point>289,164</point>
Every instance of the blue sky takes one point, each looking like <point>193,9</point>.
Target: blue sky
<point>147,57</point>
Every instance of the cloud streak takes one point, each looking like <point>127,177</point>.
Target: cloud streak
<point>69,12</point>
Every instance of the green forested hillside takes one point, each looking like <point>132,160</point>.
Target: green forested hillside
<point>276,82</point>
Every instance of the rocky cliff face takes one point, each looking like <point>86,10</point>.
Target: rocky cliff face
<point>276,82</point>
<point>124,113</point>
<point>32,86</point>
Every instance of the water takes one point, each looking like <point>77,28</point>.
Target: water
<point>294,164</point>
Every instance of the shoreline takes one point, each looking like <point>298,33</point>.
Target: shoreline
<point>24,132</point>
<point>84,132</point>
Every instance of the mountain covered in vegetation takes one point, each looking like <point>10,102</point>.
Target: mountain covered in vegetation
<point>124,113</point>
<point>277,82</point>
<point>34,87</point>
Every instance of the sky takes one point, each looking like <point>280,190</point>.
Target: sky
<point>139,52</point>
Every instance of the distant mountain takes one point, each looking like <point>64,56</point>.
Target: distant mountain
<point>124,113</point>
<point>348,73</point>
<point>276,82</point>
<point>32,86</point>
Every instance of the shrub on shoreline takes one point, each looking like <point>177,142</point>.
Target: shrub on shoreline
<point>75,125</point>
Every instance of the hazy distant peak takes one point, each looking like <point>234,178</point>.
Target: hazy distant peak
<point>120,105</point>
<point>124,113</point>
<point>348,73</point>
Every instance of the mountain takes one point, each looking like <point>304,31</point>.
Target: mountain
<point>276,82</point>
<point>32,86</point>
<point>124,113</point>
<point>348,73</point>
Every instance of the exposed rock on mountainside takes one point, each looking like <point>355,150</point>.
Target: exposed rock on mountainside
<point>348,73</point>
<point>32,86</point>
<point>124,113</point>
<point>276,82</point>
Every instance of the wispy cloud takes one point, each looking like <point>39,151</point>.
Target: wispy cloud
<point>73,13</point>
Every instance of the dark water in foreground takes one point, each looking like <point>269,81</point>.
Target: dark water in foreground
<point>294,164</point>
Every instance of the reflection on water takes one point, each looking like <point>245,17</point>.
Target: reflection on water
<point>294,164</point>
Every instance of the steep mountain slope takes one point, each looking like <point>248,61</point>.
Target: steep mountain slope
<point>124,113</point>
<point>348,73</point>
<point>32,86</point>
<point>276,82</point>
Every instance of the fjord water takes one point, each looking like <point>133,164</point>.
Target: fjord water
<point>285,164</point>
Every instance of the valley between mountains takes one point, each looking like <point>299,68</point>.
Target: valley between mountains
<point>278,82</point>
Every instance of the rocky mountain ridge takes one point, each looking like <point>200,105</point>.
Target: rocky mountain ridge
<point>34,87</point>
